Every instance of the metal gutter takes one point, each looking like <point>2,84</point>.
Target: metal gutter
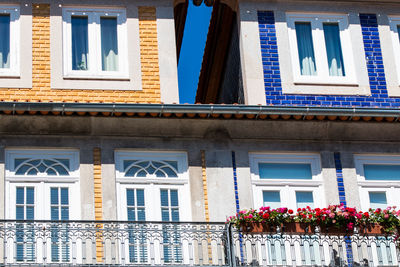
<point>197,109</point>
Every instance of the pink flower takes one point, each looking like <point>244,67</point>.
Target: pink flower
<point>386,216</point>
<point>350,226</point>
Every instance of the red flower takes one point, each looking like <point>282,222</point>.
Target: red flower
<point>309,216</point>
<point>366,214</point>
<point>266,215</point>
<point>290,211</point>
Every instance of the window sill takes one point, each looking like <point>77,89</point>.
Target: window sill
<point>97,78</point>
<point>269,182</point>
<point>9,76</point>
<point>349,84</point>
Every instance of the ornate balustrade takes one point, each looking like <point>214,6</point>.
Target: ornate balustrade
<point>105,243</point>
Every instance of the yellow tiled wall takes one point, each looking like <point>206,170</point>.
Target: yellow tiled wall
<point>41,90</point>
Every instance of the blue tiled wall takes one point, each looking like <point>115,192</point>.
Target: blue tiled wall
<point>373,54</point>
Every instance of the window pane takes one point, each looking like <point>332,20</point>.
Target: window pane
<point>20,195</point>
<point>130,197</point>
<point>109,44</point>
<point>377,200</point>
<point>284,171</point>
<point>306,48</point>
<point>304,199</point>
<point>20,213</point>
<point>4,41</point>
<point>54,196</point>
<point>334,49</point>
<point>140,197</point>
<point>174,198</point>
<point>381,172</point>
<point>175,215</point>
<point>30,195</point>
<point>164,198</point>
<point>80,53</point>
<point>64,213</point>
<point>54,213</point>
<point>141,214</point>
<point>131,214</point>
<point>272,199</point>
<point>165,214</point>
<point>30,213</point>
<point>64,196</point>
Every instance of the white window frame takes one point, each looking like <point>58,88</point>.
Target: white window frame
<point>318,38</point>
<point>287,187</point>
<point>390,187</point>
<point>14,70</point>
<point>153,184</point>
<point>394,21</point>
<point>42,182</point>
<point>94,44</point>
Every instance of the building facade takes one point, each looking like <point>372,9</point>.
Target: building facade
<point>93,142</point>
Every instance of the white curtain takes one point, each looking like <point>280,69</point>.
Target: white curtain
<point>334,49</point>
<point>79,43</point>
<point>4,41</point>
<point>306,48</point>
<point>109,44</point>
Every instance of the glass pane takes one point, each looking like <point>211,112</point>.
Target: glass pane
<point>30,195</point>
<point>164,197</point>
<point>381,172</point>
<point>165,214</point>
<point>306,48</point>
<point>54,196</point>
<point>79,28</point>
<point>54,213</point>
<point>377,200</point>
<point>140,197</point>
<point>175,215</point>
<point>304,199</point>
<point>64,213</point>
<point>334,49</point>
<point>19,213</point>
<point>4,41</point>
<point>284,171</point>
<point>130,197</point>
<point>109,44</point>
<point>64,196</point>
<point>174,198</point>
<point>272,199</point>
<point>30,213</point>
<point>141,214</point>
<point>131,214</point>
<point>20,195</point>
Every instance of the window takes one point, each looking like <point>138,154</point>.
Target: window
<point>42,185</point>
<point>95,43</point>
<point>154,186</point>
<point>317,49</point>
<point>395,32</point>
<point>378,180</point>
<point>9,41</point>
<point>286,180</point>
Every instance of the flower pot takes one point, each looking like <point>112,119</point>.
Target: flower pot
<point>257,227</point>
<point>372,229</point>
<point>332,230</point>
<point>298,228</point>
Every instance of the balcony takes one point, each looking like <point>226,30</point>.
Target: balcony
<point>105,243</point>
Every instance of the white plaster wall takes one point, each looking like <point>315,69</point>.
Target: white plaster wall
<point>167,55</point>
<point>250,55</point>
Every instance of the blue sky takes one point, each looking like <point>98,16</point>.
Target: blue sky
<point>194,40</point>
